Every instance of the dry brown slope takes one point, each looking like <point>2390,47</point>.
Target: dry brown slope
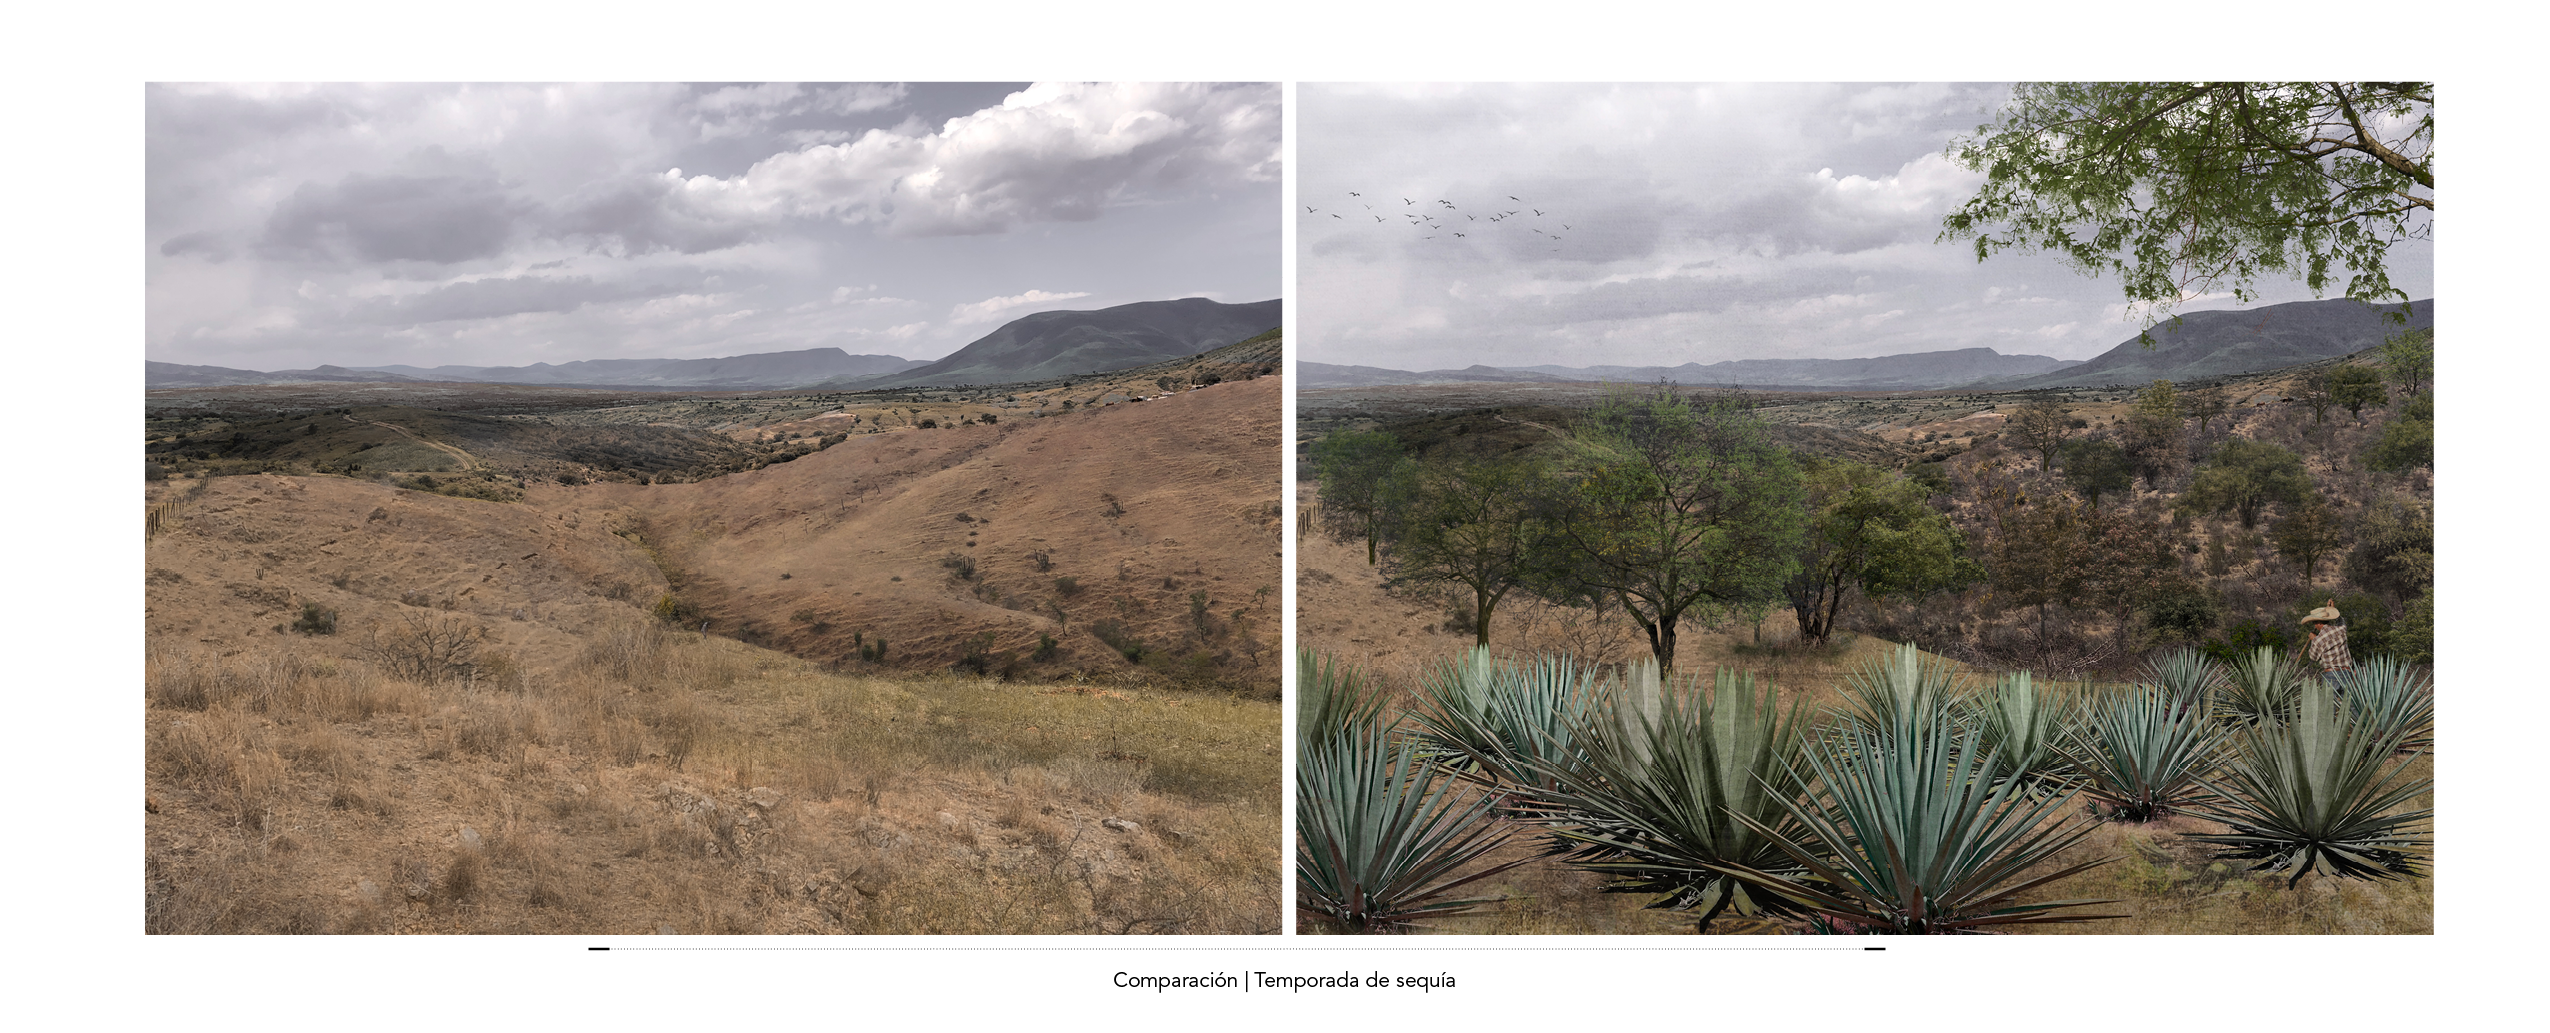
<point>245,553</point>
<point>1143,503</point>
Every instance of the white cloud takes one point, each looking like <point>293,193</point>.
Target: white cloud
<point>994,309</point>
<point>1054,152</point>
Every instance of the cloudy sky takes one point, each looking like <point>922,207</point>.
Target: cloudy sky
<point>290,226</point>
<point>1670,224</point>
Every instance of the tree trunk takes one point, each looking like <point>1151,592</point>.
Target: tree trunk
<point>1487,608</point>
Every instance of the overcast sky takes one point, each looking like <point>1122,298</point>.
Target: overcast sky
<point>290,226</point>
<point>1661,224</point>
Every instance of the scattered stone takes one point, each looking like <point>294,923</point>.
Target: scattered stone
<point>1121,825</point>
<point>763,797</point>
<point>667,930</point>
<point>469,837</point>
<point>949,821</point>
<point>370,890</point>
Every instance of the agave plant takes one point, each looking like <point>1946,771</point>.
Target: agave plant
<point>2028,727</point>
<point>1382,836</point>
<point>2141,754</point>
<point>1332,699</point>
<point>1899,692</point>
<point>2393,696</point>
<point>1502,722</point>
<point>1919,832</point>
<point>1653,795</point>
<point>2189,676</point>
<point>2261,688</point>
<point>2311,794</point>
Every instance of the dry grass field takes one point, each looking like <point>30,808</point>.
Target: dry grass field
<point>376,709</point>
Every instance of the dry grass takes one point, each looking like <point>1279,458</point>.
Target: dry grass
<point>667,781</point>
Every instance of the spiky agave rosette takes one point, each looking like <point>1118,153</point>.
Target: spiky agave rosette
<point>2312,794</point>
<point>1652,794</point>
<point>1382,833</point>
<point>1911,827</point>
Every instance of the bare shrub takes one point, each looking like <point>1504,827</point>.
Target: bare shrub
<point>427,649</point>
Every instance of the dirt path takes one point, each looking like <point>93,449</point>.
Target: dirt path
<point>468,463</point>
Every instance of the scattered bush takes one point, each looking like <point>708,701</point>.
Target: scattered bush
<point>315,620</point>
<point>959,564</point>
<point>1067,586</point>
<point>1046,647</point>
<point>2241,639</point>
<point>426,649</point>
<point>1119,638</point>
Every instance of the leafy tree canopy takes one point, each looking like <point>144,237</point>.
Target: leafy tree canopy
<point>1354,468</point>
<point>2243,476</point>
<point>2185,188</point>
<point>1679,506</point>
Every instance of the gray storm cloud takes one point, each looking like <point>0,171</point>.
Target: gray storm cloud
<point>394,218</point>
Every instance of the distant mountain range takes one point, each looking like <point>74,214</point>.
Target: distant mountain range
<point>1917,371</point>
<point>2198,345</point>
<point>1032,347</point>
<point>1054,344</point>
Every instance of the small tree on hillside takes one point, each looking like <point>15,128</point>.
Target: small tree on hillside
<point>1354,468</point>
<point>2039,427</point>
<point>2313,391</point>
<point>2308,531</point>
<point>2152,431</point>
<point>2207,404</point>
<point>2356,387</point>
<point>2095,466</point>
<point>1475,524</point>
<point>2243,476</point>
<point>1870,530</point>
<point>2408,360</point>
<point>2408,440</point>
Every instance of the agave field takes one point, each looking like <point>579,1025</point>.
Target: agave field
<point>1920,799</point>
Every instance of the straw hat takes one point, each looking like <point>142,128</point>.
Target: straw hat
<point>2326,612</point>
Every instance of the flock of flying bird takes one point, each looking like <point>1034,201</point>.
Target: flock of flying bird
<point>1419,216</point>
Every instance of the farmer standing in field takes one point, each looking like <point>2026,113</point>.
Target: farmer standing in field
<point>2328,646</point>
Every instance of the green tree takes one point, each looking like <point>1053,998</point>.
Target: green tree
<point>2152,431</point>
<point>2308,531</point>
<point>2186,188</point>
<point>2394,550</point>
<point>2356,387</point>
<point>2243,476</point>
<point>2095,466</point>
<point>2039,427</point>
<point>1354,468</point>
<point>2314,391</point>
<point>1870,530</point>
<point>2409,359</point>
<point>1470,523</point>
<point>2408,439</point>
<point>1679,507</point>
<point>2207,404</point>
<point>2036,551</point>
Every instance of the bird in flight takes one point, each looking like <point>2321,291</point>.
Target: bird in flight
<point>1565,226</point>
<point>1351,193</point>
<point>1405,199</point>
<point>1379,219</point>
<point>1314,211</point>
<point>1334,215</point>
<point>1536,211</point>
<point>1460,234</point>
<point>1511,197</point>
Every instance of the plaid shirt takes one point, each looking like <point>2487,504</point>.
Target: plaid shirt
<point>2328,649</point>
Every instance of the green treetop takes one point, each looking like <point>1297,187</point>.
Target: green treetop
<point>2184,188</point>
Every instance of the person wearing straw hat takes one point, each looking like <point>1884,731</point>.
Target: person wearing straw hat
<point>2328,646</point>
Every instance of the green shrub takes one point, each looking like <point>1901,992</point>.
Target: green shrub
<point>1067,586</point>
<point>1119,638</point>
<point>315,620</point>
<point>1046,647</point>
<point>2241,639</point>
